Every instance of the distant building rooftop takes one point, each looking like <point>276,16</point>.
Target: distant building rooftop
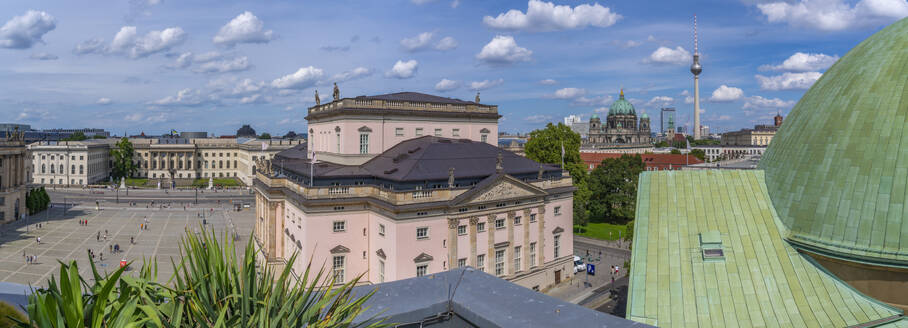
<point>410,103</point>
<point>652,161</point>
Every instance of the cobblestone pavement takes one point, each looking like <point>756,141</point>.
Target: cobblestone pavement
<point>64,239</point>
<point>584,286</point>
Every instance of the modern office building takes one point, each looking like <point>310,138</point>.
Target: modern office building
<point>14,171</point>
<point>420,205</point>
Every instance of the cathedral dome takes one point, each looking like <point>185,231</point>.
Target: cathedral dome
<point>644,116</point>
<point>621,106</point>
<point>836,170</point>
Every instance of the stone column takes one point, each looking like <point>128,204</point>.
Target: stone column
<point>509,253</point>
<point>473,221</point>
<point>526,240</point>
<point>490,254</point>
<point>540,247</point>
<point>452,242</point>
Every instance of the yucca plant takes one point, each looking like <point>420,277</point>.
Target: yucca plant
<point>211,287</point>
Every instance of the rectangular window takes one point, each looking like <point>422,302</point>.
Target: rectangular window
<point>363,143</point>
<point>455,132</point>
<point>419,132</point>
<point>532,254</point>
<point>516,220</point>
<point>381,271</point>
<point>499,223</point>
<point>499,262</point>
<point>532,218</point>
<point>480,262</point>
<point>481,226</point>
<point>422,233</point>
<point>461,263</point>
<point>381,229</point>
<point>438,132</point>
<point>557,245</point>
<point>399,132</point>
<point>461,230</point>
<point>338,268</point>
<point>516,258</point>
<point>485,138</point>
<point>421,270</point>
<point>557,210</point>
<point>340,226</point>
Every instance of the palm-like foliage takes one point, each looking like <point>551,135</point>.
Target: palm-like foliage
<point>210,288</point>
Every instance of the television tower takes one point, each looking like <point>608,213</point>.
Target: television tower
<point>695,68</point>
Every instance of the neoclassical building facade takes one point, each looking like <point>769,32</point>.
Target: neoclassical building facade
<point>621,128</point>
<point>14,172</point>
<point>421,206</point>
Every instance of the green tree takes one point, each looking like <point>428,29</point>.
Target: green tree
<point>544,146</point>
<point>661,144</point>
<point>76,136</point>
<point>698,153</point>
<point>123,165</point>
<point>613,187</point>
<point>98,136</point>
<point>265,135</point>
<point>676,152</point>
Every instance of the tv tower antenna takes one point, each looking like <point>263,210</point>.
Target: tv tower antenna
<point>695,69</point>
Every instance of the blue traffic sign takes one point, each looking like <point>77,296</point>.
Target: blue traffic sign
<point>590,269</point>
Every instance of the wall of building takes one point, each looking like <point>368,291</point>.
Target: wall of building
<point>886,284</point>
<point>14,171</point>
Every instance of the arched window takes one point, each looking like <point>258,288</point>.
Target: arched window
<point>43,168</point>
<point>72,170</point>
<point>221,164</point>
<point>81,169</point>
<point>61,171</point>
<point>234,164</point>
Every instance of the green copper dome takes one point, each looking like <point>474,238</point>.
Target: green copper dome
<point>621,106</point>
<point>644,116</point>
<point>837,170</point>
<point>594,116</point>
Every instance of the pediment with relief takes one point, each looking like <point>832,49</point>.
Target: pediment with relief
<point>504,189</point>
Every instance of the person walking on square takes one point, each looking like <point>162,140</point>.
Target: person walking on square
<point>110,248</point>
<point>98,237</point>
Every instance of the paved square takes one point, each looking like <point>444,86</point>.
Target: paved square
<point>62,238</point>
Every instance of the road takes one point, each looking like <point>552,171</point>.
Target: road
<point>148,195</point>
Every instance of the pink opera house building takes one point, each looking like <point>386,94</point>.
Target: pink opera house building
<point>409,184</point>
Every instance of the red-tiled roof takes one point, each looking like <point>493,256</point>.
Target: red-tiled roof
<point>652,161</point>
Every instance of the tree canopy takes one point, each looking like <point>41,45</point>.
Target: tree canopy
<point>123,165</point>
<point>265,135</point>
<point>544,146</point>
<point>76,136</point>
<point>613,189</point>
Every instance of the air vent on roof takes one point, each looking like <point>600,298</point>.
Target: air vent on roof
<point>414,150</point>
<point>400,157</point>
<point>391,171</point>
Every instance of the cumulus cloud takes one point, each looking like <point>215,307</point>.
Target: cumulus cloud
<point>185,97</point>
<point>128,43</point>
<point>546,16</point>
<point>726,94</point>
<point>335,48</point>
<point>446,85</point>
<point>537,118</point>
<point>446,43</point>
<point>423,41</point>
<point>303,78</point>
<point>43,56</point>
<point>222,66</point>
<point>34,115</point>
<point>803,62</point>
<point>244,28</point>
<point>356,73</point>
<point>660,101</point>
<point>254,99</point>
<point>485,84</point>
<point>788,81</point>
<point>834,15</point>
<point>593,101</point>
<point>22,32</point>
<point>104,101</point>
<point>757,102</point>
<point>503,50</point>
<point>627,44</point>
<point>247,86</point>
<point>669,56</point>
<point>403,69</point>
<point>688,99</point>
<point>568,93</point>
<point>548,82</point>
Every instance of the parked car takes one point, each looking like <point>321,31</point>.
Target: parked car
<point>579,266</point>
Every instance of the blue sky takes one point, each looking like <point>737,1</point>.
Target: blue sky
<point>156,65</point>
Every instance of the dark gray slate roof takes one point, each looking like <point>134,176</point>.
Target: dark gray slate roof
<point>480,300</point>
<point>417,97</point>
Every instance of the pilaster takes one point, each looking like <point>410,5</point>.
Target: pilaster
<point>509,252</point>
<point>452,242</point>
<point>526,240</point>
<point>490,254</point>
<point>540,251</point>
<point>473,221</point>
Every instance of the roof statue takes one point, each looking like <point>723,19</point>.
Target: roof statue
<point>317,100</point>
<point>498,167</point>
<point>337,93</point>
<point>477,97</point>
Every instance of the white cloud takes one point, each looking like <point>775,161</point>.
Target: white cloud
<point>248,86</point>
<point>417,43</point>
<point>788,81</point>
<point>129,43</point>
<point>503,50</point>
<point>803,62</point>
<point>726,94</point>
<point>185,97</point>
<point>601,110</point>
<point>134,117</point>
<point>104,101</point>
<point>223,66</point>
<point>569,93</point>
<point>356,73</point>
<point>593,101</point>
<point>254,99</point>
<point>33,115</point>
<point>548,82</point>
<point>834,15</point>
<point>665,55</point>
<point>446,85</point>
<point>485,84</point>
<point>455,3</point>
<point>546,16</point>
<point>446,43</point>
<point>244,28</point>
<point>43,56</point>
<point>660,101</point>
<point>537,118</point>
<point>22,32</point>
<point>421,2</point>
<point>688,99</point>
<point>627,44</point>
<point>403,69</point>
<point>303,78</point>
<point>757,102</point>
<point>89,46</point>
